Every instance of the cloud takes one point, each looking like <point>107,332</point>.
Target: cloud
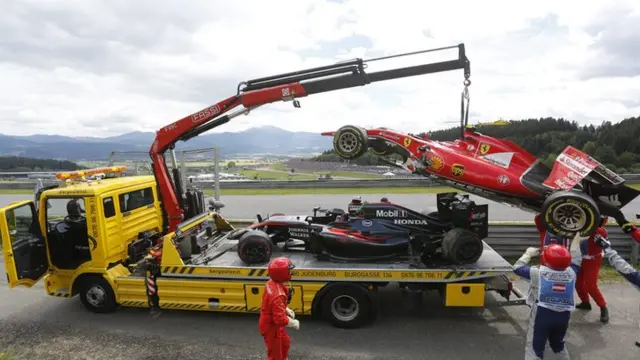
<point>616,48</point>
<point>102,68</point>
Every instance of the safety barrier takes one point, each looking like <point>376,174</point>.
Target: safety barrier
<point>511,240</point>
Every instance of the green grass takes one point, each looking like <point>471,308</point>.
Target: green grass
<point>348,174</point>
<point>15,191</point>
<point>279,167</point>
<point>276,175</point>
<point>355,175</point>
<point>4,355</point>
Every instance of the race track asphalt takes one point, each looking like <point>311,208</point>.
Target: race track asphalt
<point>35,326</point>
<point>247,206</point>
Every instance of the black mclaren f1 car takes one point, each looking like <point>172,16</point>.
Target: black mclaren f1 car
<point>371,231</point>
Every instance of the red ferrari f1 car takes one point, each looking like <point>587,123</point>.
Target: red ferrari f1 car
<point>571,197</point>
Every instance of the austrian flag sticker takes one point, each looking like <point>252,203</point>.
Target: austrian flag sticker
<point>559,287</point>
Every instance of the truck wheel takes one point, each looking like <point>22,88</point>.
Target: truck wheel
<point>462,246</point>
<point>97,295</point>
<point>347,306</point>
<point>567,213</point>
<point>255,247</point>
<point>350,142</point>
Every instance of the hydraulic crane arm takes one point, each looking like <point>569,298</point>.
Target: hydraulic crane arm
<point>283,87</point>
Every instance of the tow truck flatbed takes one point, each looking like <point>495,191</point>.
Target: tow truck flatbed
<point>217,280</point>
<point>310,268</point>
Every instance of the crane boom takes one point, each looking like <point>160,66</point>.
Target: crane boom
<point>283,87</point>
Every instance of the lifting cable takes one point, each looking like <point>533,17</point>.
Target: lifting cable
<point>464,106</point>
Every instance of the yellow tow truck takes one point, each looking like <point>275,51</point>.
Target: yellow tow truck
<point>146,241</point>
<point>100,254</point>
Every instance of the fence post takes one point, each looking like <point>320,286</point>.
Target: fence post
<point>183,172</point>
<point>216,170</point>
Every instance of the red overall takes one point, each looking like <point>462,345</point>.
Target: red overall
<point>273,319</point>
<point>587,282</point>
<point>547,239</point>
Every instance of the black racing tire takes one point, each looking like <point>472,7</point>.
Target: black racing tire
<point>461,246</point>
<point>97,295</point>
<point>350,142</point>
<point>347,306</point>
<point>567,213</point>
<point>255,247</point>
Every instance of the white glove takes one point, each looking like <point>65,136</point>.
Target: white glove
<point>293,324</point>
<point>290,313</point>
<point>531,252</point>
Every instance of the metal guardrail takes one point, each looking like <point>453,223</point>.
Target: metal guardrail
<point>512,240</point>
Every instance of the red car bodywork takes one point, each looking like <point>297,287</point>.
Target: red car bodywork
<point>487,162</point>
<point>500,170</point>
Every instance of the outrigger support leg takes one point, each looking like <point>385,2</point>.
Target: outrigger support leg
<point>151,273</point>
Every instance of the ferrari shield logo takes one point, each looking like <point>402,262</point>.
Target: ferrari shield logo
<point>457,170</point>
<point>407,142</point>
<point>484,148</point>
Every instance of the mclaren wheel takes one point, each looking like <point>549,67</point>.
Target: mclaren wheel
<point>567,213</point>
<point>350,142</point>
<point>255,247</point>
<point>461,246</point>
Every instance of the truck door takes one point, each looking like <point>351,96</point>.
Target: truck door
<point>23,246</point>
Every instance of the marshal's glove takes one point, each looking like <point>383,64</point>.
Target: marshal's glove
<point>291,313</point>
<point>602,242</point>
<point>293,323</point>
<point>526,257</point>
<point>532,252</point>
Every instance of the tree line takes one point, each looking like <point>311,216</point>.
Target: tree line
<point>23,164</point>
<point>617,146</point>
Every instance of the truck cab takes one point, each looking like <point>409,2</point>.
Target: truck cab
<point>79,229</point>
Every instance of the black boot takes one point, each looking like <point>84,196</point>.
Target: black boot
<point>584,306</point>
<point>638,343</point>
<point>604,315</point>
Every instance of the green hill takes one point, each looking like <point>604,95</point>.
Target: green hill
<point>23,164</point>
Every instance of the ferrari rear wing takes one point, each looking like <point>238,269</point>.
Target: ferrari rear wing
<point>573,166</point>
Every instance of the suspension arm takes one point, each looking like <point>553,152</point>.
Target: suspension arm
<point>283,87</point>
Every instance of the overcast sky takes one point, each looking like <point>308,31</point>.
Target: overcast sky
<point>100,68</point>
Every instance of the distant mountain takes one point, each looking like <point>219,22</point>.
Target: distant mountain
<point>259,140</point>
